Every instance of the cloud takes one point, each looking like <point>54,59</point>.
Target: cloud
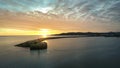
<point>105,10</point>
<point>57,14</point>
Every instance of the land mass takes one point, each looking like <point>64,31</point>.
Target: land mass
<point>39,44</point>
<point>91,34</point>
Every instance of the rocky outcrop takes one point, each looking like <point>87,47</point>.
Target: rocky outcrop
<point>37,46</point>
<point>34,45</point>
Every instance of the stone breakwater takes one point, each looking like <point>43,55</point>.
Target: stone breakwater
<point>34,44</point>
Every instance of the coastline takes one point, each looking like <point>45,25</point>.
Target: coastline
<point>39,44</point>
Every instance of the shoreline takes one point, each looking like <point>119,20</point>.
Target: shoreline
<point>41,40</point>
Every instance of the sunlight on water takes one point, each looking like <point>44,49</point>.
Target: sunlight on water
<point>44,36</point>
<point>45,41</point>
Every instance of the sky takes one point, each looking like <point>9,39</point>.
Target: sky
<point>28,17</point>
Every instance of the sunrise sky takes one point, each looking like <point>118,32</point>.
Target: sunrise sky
<point>35,17</point>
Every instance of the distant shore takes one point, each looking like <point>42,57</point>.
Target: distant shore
<point>91,34</point>
<point>39,43</point>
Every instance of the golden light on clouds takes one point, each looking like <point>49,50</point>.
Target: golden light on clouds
<point>8,31</point>
<point>58,16</point>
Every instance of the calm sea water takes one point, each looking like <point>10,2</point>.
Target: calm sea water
<point>85,52</point>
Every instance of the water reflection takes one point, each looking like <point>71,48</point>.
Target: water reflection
<point>44,35</point>
<point>38,52</point>
<point>45,41</point>
<point>85,52</point>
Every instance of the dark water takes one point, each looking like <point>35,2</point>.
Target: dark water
<point>85,52</point>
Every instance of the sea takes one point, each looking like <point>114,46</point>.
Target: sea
<point>82,52</point>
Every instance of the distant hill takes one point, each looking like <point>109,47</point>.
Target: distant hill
<point>105,34</point>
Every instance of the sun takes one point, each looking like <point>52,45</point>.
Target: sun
<point>45,32</point>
